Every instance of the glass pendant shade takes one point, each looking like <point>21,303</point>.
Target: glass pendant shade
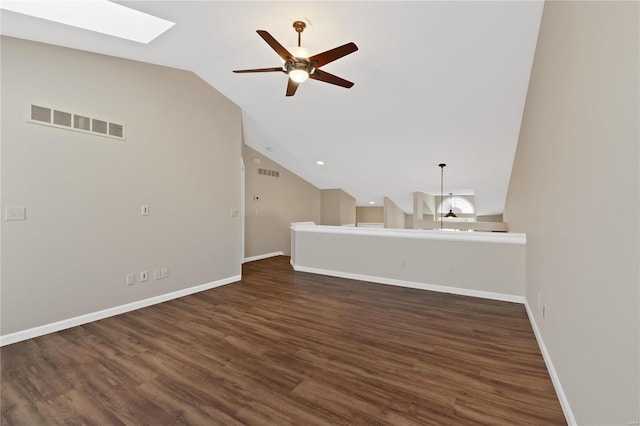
<point>299,76</point>
<point>299,52</point>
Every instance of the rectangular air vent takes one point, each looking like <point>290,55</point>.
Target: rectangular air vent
<point>76,122</point>
<point>39,113</point>
<point>266,172</point>
<point>116,130</point>
<point>62,118</point>
<point>82,123</point>
<point>99,126</point>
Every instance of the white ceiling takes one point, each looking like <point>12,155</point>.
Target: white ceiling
<point>434,82</point>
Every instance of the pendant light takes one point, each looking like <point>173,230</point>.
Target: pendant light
<point>451,213</point>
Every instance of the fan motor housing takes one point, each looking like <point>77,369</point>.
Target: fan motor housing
<point>299,64</point>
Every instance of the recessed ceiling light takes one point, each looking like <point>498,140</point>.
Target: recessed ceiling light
<point>320,163</point>
<point>372,202</point>
<point>270,149</point>
<point>101,16</point>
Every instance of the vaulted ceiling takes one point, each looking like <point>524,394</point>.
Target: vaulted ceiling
<point>434,82</point>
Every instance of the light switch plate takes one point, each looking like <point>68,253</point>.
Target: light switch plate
<point>15,213</point>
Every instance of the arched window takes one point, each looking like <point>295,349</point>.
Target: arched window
<point>459,205</point>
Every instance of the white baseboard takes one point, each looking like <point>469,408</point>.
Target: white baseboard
<point>562,397</point>
<point>19,336</point>
<point>412,284</point>
<point>263,256</point>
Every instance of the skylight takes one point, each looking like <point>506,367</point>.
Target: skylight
<point>94,15</point>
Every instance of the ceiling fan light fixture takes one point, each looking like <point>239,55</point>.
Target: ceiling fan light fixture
<point>299,75</point>
<point>299,52</point>
<point>299,66</point>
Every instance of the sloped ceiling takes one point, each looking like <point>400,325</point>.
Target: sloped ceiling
<point>434,82</point>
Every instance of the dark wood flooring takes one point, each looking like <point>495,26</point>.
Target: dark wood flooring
<point>288,348</point>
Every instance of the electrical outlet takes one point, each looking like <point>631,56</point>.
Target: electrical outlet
<point>164,272</point>
<point>144,275</point>
<point>131,279</point>
<point>15,213</point>
<point>145,210</point>
<point>157,274</point>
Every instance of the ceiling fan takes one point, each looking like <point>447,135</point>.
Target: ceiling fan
<point>299,66</point>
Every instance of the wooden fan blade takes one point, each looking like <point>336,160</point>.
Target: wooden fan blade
<point>333,54</point>
<point>292,86</point>
<point>280,50</point>
<point>261,70</point>
<point>330,78</point>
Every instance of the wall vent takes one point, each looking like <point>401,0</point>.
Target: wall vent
<point>61,118</point>
<point>70,121</point>
<point>82,123</point>
<point>39,113</point>
<point>116,130</point>
<point>99,126</point>
<point>266,172</point>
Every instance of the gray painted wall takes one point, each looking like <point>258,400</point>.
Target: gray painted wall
<point>490,218</point>
<point>337,208</point>
<point>394,216</point>
<point>456,260</point>
<point>575,191</point>
<point>83,193</point>
<point>347,209</point>
<point>369,214</point>
<point>283,200</point>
